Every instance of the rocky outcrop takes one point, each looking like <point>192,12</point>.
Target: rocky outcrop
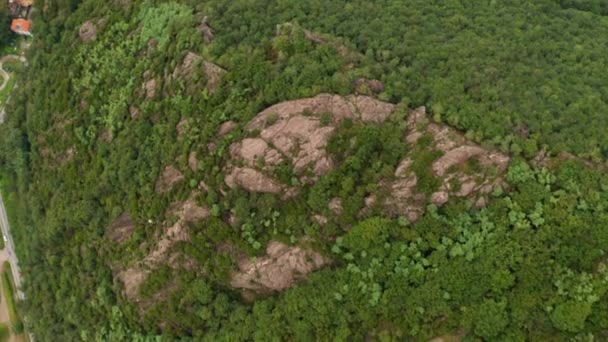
<point>464,169</point>
<point>185,212</point>
<point>362,108</point>
<point>293,132</point>
<point>278,270</point>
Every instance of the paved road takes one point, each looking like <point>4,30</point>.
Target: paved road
<point>10,247</point>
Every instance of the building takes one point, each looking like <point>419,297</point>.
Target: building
<point>22,26</point>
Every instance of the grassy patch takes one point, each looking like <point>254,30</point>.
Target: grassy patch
<point>9,293</point>
<point>4,332</point>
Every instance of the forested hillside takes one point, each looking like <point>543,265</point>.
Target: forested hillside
<point>312,170</point>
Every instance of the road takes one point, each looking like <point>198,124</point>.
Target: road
<point>10,247</point>
<point>5,78</point>
<point>3,72</point>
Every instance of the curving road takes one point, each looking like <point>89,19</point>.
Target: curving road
<point>5,77</point>
<point>3,72</point>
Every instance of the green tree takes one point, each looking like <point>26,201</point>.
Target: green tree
<point>570,316</point>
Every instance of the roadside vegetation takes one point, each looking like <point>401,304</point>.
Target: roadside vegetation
<point>5,332</point>
<point>97,119</point>
<point>8,287</point>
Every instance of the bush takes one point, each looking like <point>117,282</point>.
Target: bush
<point>570,316</point>
<point>491,319</point>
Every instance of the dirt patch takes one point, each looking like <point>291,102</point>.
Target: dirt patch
<point>121,228</point>
<point>169,177</point>
<point>279,269</point>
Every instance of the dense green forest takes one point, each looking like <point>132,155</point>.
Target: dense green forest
<point>118,96</point>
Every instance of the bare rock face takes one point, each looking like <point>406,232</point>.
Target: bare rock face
<point>292,132</point>
<point>340,107</point>
<point>87,32</point>
<point>254,151</point>
<point>252,181</point>
<point>168,179</point>
<point>278,270</point>
<point>121,228</point>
